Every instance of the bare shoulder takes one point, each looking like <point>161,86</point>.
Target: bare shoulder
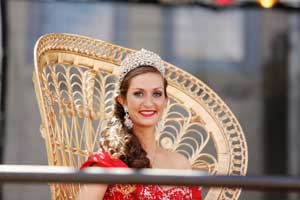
<point>178,160</point>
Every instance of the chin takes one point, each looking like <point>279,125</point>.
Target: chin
<point>152,124</point>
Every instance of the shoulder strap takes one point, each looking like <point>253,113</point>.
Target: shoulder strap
<point>196,193</point>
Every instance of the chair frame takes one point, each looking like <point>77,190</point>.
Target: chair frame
<point>96,55</point>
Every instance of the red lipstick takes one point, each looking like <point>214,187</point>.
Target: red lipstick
<point>147,113</point>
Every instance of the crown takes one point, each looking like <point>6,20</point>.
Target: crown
<point>140,58</point>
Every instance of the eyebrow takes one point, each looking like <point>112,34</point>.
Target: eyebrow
<point>144,89</point>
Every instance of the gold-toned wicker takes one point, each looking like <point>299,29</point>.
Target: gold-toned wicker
<point>75,78</point>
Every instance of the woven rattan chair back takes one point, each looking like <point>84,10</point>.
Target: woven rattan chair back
<point>75,78</point>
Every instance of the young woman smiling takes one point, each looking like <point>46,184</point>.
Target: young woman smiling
<point>129,140</point>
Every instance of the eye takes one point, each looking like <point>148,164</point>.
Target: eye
<point>157,94</point>
<point>138,94</point>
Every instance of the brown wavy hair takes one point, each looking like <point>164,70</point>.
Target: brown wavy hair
<point>123,143</point>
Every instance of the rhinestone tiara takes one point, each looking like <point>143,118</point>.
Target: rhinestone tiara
<point>139,58</point>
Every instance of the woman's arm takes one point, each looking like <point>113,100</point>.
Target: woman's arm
<point>92,192</point>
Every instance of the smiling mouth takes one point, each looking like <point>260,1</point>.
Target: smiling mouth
<point>148,113</point>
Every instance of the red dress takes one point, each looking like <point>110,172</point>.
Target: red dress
<point>141,192</point>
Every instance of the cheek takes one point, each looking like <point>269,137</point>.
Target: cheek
<point>133,102</point>
<point>160,104</point>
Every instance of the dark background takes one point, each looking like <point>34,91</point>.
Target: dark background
<point>248,55</point>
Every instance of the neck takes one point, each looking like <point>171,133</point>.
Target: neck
<point>146,137</point>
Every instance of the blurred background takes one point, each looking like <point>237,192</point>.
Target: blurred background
<point>248,52</point>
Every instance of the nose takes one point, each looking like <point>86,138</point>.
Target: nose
<point>148,102</point>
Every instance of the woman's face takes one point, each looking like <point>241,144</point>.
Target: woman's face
<point>146,99</point>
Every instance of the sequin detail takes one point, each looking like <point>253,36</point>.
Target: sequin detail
<point>149,192</point>
<point>139,192</point>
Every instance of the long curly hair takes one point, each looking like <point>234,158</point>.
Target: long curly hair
<point>121,142</point>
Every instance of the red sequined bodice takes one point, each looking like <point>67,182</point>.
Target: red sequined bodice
<point>141,192</point>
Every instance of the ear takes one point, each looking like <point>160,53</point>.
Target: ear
<point>121,101</point>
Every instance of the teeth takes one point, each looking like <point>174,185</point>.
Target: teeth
<point>148,113</point>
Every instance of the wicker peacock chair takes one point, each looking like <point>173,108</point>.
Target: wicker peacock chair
<point>74,79</point>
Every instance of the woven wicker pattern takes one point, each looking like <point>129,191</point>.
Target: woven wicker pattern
<point>75,79</point>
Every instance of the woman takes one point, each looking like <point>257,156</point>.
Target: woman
<point>130,139</point>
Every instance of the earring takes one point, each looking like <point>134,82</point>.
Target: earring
<point>159,126</point>
<point>128,122</point>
